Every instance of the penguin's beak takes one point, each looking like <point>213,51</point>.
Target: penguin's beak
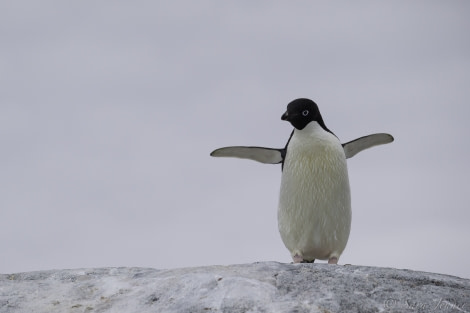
<point>285,116</point>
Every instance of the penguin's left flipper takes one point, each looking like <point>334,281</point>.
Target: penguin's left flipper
<point>355,146</point>
<point>259,154</point>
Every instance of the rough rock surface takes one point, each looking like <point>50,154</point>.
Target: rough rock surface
<point>259,287</point>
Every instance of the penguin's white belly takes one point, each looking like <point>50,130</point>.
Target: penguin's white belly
<point>314,214</point>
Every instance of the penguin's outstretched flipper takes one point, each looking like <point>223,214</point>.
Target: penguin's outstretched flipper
<point>259,154</point>
<point>276,156</point>
<point>355,146</point>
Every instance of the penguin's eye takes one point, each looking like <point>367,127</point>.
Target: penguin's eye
<point>305,112</point>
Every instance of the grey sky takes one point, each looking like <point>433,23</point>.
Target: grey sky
<point>108,113</point>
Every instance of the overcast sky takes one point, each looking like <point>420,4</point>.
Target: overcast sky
<point>109,110</point>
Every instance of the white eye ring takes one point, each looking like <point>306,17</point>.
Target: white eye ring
<point>305,112</point>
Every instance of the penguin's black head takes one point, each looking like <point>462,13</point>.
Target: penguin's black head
<point>302,111</point>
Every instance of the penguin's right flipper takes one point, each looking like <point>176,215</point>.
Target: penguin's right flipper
<point>259,154</point>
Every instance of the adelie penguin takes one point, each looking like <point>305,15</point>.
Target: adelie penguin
<point>314,213</point>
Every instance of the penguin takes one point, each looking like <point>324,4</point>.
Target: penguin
<point>314,211</point>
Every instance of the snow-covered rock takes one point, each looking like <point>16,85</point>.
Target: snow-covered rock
<point>258,287</point>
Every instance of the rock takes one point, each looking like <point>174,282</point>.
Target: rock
<point>258,287</point>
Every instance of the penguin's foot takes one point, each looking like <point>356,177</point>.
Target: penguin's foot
<point>333,260</point>
<point>297,258</point>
